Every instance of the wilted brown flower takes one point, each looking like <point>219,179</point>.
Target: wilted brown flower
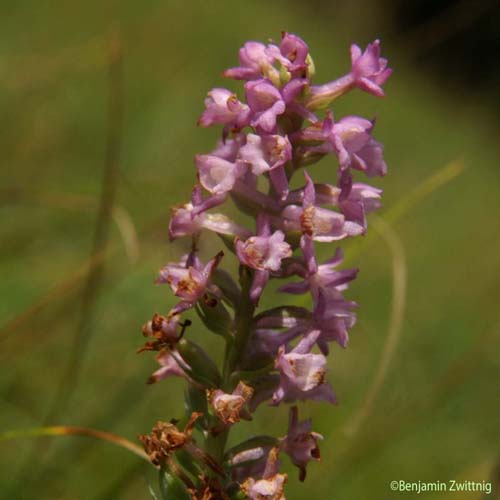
<point>166,438</point>
<point>229,408</point>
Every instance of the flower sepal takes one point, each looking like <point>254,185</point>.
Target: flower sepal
<point>272,483</point>
<point>262,441</point>
<point>300,443</point>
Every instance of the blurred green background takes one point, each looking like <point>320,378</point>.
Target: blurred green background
<point>68,342</point>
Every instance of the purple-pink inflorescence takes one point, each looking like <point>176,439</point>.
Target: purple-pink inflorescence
<point>277,355</point>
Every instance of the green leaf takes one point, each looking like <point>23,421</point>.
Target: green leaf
<point>264,365</point>
<point>152,492</point>
<point>228,242</point>
<point>69,430</point>
<point>215,316</point>
<point>171,487</point>
<point>239,495</point>
<point>195,400</point>
<point>284,312</point>
<point>229,287</point>
<point>203,369</point>
<point>186,461</point>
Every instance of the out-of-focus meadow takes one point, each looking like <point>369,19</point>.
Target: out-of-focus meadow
<point>419,384</point>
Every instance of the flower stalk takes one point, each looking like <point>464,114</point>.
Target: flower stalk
<point>274,356</point>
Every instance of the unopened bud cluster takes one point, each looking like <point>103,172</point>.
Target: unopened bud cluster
<point>278,355</point>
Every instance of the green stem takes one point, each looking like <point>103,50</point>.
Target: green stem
<point>243,320</point>
<point>216,445</point>
<point>226,369</point>
<point>235,347</point>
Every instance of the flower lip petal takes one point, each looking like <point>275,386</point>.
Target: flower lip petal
<point>218,175</point>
